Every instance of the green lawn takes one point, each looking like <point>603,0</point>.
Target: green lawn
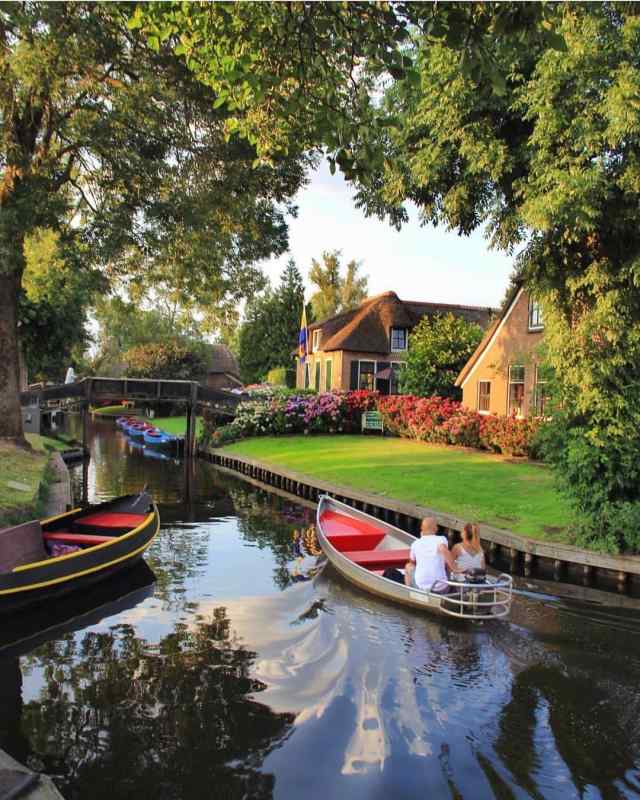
<point>27,469</point>
<point>176,425</point>
<point>113,411</point>
<point>477,486</point>
<point>45,443</point>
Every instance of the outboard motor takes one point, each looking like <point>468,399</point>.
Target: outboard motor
<point>476,576</point>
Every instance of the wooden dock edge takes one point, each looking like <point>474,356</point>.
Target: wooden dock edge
<point>520,551</point>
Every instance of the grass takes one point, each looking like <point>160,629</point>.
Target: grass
<point>29,469</point>
<point>113,411</point>
<point>176,425</point>
<point>45,444</point>
<point>516,495</point>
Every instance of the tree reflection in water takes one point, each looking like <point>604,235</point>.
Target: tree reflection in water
<point>582,723</point>
<point>119,717</point>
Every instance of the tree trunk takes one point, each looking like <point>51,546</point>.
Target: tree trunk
<point>10,411</point>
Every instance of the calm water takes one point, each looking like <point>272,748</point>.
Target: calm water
<point>233,669</point>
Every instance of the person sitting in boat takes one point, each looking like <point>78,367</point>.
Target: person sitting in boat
<point>468,554</point>
<point>429,560</point>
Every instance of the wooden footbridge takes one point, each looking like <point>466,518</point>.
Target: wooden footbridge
<point>90,391</point>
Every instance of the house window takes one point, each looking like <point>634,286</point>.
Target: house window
<point>317,381</point>
<point>398,340</point>
<point>396,370</point>
<point>367,375</point>
<point>327,375</point>
<point>541,392</point>
<point>484,396</point>
<point>535,316</point>
<point>316,340</point>
<point>516,390</point>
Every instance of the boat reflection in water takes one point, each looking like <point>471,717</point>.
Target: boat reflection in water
<point>255,672</point>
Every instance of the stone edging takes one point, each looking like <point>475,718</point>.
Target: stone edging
<point>407,516</point>
<point>59,489</point>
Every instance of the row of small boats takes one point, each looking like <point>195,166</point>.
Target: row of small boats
<point>142,431</point>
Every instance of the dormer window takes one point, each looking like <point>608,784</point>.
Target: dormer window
<point>317,335</point>
<point>535,316</point>
<point>398,339</point>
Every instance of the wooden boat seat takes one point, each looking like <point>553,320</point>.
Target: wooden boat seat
<point>355,541</point>
<point>379,559</point>
<point>77,538</point>
<point>110,519</point>
<point>21,544</point>
<point>335,523</point>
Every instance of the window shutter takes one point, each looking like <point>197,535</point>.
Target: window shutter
<point>353,384</point>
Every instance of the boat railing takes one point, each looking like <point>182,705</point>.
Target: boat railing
<point>478,600</point>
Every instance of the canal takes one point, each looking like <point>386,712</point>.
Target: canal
<point>232,667</point>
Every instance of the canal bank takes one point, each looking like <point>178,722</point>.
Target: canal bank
<point>244,667</point>
<point>505,550</point>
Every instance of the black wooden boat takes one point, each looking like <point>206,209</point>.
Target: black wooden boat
<point>96,542</point>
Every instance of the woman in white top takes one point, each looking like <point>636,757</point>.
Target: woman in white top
<point>468,554</point>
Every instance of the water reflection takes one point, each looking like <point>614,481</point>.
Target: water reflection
<point>253,673</point>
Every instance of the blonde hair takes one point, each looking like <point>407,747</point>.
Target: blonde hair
<point>471,536</point>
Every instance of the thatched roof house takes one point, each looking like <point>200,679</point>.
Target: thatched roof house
<point>366,346</point>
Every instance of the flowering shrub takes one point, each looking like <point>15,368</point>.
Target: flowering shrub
<point>427,419</point>
<point>445,421</point>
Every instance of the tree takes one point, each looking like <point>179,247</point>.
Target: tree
<point>439,347</point>
<point>335,294</point>
<point>108,135</point>
<point>269,332</point>
<point>520,118</point>
<point>53,306</point>
<point>170,359</point>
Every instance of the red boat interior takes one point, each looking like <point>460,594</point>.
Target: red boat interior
<point>358,540</point>
<point>95,528</point>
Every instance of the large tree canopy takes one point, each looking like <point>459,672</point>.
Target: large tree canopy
<point>111,137</point>
<point>519,118</point>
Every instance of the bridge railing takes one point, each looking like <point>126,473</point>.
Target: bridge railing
<point>150,389</point>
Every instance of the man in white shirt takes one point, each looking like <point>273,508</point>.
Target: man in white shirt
<point>429,559</point>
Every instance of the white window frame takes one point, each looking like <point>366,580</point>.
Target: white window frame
<point>393,349</point>
<point>481,410</point>
<point>327,383</point>
<point>316,339</point>
<point>538,326</point>
<point>511,383</point>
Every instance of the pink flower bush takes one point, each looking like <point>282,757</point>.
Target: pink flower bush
<point>427,419</point>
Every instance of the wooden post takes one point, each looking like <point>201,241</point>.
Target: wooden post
<point>190,442</point>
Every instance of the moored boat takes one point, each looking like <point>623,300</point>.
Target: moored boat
<point>42,559</point>
<point>137,430</point>
<point>362,547</point>
<point>154,437</point>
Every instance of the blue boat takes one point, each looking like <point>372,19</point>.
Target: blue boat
<point>158,438</point>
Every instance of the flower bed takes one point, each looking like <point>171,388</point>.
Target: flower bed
<point>428,419</point>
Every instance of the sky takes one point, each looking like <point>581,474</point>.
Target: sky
<point>418,263</point>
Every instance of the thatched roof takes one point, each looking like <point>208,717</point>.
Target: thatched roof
<point>367,327</point>
<point>223,361</point>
